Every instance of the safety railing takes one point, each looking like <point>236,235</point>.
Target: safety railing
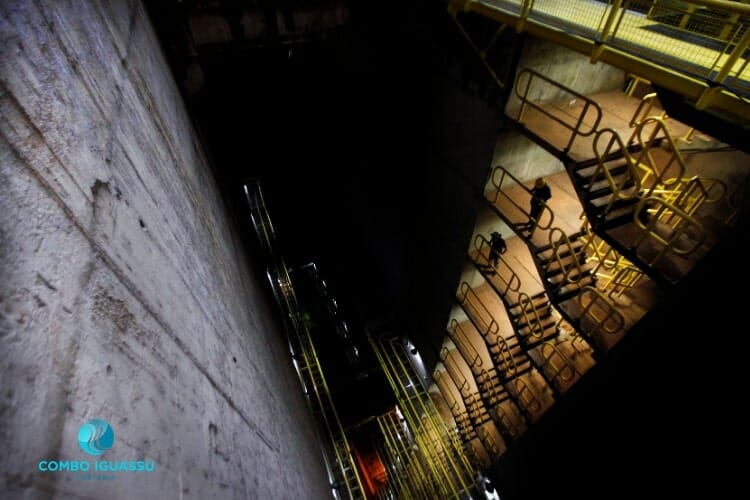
<point>502,180</point>
<point>465,347</point>
<point>661,172</point>
<point>601,315</point>
<point>307,366</point>
<point>643,111</point>
<point>534,327</point>
<point>579,125</point>
<point>615,273</point>
<point>690,195</point>
<point>567,258</point>
<point>687,234</point>
<point>506,276</point>
<point>526,397</point>
<point>477,311</point>
<point>451,366</point>
<point>684,42</point>
<point>259,215</point>
<point>557,366</point>
<point>447,469</point>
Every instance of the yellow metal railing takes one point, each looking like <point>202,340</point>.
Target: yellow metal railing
<point>614,272</point>
<point>557,366</point>
<point>566,257</point>
<point>580,125</point>
<point>686,236</point>
<point>259,215</point>
<point>307,365</point>
<point>527,399</point>
<point>510,280</point>
<point>406,469</point>
<point>643,111</point>
<point>483,319</point>
<point>690,195</point>
<point>462,384</point>
<point>501,180</point>
<point>448,471</point>
<point>657,173</point>
<point>601,314</point>
<point>505,359</point>
<point>697,50</point>
<point>530,315</point>
<point>465,347</point>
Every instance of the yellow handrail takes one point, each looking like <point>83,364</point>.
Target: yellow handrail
<point>482,246</point>
<point>486,323</point>
<point>621,188</point>
<point>688,231</point>
<point>501,183</point>
<point>574,128</point>
<point>531,316</point>
<point>467,350</point>
<point>562,250</point>
<point>642,112</point>
<point>664,174</point>
<point>562,369</point>
<point>526,397</point>
<point>462,384</point>
<point>505,359</point>
<point>602,314</point>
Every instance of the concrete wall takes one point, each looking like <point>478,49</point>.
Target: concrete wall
<point>125,292</point>
<point>566,67</point>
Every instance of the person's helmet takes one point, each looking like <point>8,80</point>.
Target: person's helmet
<point>539,182</point>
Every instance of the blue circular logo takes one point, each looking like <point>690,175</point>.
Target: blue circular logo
<point>96,436</point>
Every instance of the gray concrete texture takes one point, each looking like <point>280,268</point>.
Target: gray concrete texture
<point>125,293</point>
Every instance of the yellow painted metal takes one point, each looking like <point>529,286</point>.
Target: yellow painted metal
<point>643,111</point>
<point>686,237</point>
<point>259,215</point>
<point>530,314</point>
<point>562,250</point>
<point>606,30</point>
<point>465,347</point>
<point>446,463</point>
<point>557,365</point>
<point>526,397</point>
<point>636,55</point>
<point>313,379</point>
<point>502,179</point>
<point>481,52</point>
<point>615,272</point>
<point>485,322</point>
<point>626,277</point>
<point>510,280</point>
<point>576,126</point>
<point>505,359</point>
<point>462,384</point>
<point>602,315</point>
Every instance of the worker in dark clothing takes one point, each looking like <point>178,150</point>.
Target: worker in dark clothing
<point>497,247</point>
<point>540,193</point>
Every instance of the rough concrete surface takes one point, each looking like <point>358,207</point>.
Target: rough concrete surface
<point>125,294</point>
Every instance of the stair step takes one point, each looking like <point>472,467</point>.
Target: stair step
<point>617,167</point>
<point>602,189</point>
<point>575,239</point>
<point>538,301</point>
<point>526,331</point>
<point>633,148</point>
<point>569,291</point>
<point>521,322</point>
